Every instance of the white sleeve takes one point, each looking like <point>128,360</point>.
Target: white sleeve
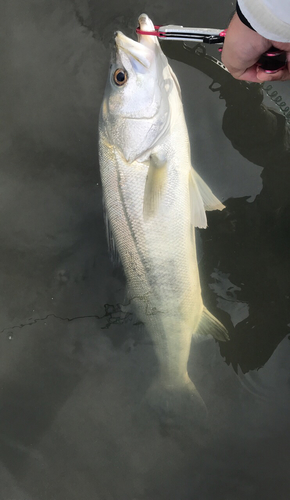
<point>270,18</point>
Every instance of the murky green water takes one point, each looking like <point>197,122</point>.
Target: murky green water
<point>74,365</point>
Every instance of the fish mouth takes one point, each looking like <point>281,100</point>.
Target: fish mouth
<point>143,50</point>
<point>145,24</point>
<point>134,50</point>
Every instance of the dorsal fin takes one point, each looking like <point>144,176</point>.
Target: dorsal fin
<point>210,201</point>
<point>198,216</point>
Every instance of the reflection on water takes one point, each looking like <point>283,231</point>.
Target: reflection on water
<point>72,423</point>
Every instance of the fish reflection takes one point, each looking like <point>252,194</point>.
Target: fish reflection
<point>249,242</point>
<point>153,200</point>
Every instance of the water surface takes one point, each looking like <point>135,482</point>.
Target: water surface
<point>74,365</point>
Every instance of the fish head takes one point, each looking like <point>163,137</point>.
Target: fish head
<point>136,111</point>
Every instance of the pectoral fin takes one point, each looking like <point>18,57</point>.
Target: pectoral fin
<point>155,183</point>
<point>208,324</point>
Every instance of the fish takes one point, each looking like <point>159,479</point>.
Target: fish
<point>153,201</point>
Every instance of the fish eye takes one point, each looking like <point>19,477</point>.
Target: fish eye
<point>120,77</point>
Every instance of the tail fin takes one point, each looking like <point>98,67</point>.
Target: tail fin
<point>177,407</point>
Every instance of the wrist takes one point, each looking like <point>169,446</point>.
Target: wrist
<point>242,18</point>
<point>242,49</point>
<point>246,42</point>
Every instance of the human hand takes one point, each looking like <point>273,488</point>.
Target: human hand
<point>242,49</point>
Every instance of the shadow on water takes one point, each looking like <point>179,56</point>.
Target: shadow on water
<point>249,242</point>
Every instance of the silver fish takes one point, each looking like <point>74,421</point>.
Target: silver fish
<point>153,200</point>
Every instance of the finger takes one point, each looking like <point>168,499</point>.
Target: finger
<point>278,75</point>
<point>250,75</point>
<point>281,75</point>
<point>241,50</point>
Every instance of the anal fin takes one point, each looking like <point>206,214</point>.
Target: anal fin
<point>208,324</point>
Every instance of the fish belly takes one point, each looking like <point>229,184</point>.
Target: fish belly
<point>158,254</point>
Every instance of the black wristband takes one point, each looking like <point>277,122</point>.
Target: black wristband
<point>243,18</point>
